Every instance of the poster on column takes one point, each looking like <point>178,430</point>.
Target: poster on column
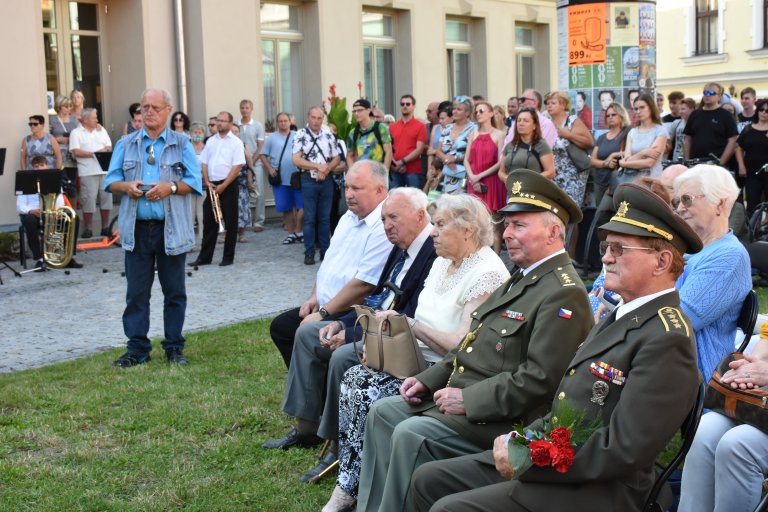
<point>647,18</point>
<point>586,34</point>
<point>622,25</point>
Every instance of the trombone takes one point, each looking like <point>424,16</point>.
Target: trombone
<point>216,206</point>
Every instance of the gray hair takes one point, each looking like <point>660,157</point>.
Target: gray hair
<point>715,183</point>
<point>467,212</point>
<point>197,125</point>
<point>378,171</point>
<point>166,94</point>
<point>87,112</point>
<point>415,196</point>
<point>550,218</point>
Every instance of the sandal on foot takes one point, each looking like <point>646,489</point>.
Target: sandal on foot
<point>290,239</point>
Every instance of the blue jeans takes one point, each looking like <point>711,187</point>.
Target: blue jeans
<point>140,274</point>
<point>405,180</point>
<point>317,197</point>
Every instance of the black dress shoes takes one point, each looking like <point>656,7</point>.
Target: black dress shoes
<point>74,264</point>
<point>198,263</point>
<point>329,460</point>
<point>174,355</point>
<point>226,263</point>
<point>291,439</point>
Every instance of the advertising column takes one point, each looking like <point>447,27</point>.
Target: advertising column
<point>606,53</point>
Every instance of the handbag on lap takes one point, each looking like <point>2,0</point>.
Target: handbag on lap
<point>393,349</point>
<point>748,406</point>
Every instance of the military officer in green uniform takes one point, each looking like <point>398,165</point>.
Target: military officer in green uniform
<point>636,371</point>
<point>507,367</point>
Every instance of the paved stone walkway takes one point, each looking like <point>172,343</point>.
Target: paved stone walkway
<point>49,317</point>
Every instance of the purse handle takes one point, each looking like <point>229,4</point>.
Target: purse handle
<point>367,312</point>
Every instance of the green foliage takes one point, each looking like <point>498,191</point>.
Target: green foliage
<point>82,435</point>
<point>9,245</point>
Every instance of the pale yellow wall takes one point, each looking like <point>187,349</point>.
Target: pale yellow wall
<point>23,87</point>
<point>740,68</point>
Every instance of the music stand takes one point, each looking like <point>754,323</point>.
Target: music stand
<point>40,182</point>
<point>2,160</point>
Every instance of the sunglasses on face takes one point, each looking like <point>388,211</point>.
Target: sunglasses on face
<point>709,93</point>
<point>686,200</point>
<point>178,120</point>
<point>480,111</point>
<point>405,104</point>
<point>617,249</point>
<point>613,115</point>
<point>33,124</point>
<point>763,110</point>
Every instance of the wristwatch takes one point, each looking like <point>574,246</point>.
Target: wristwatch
<point>174,187</point>
<point>323,313</point>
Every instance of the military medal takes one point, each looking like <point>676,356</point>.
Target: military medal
<point>514,315</point>
<point>607,373</point>
<point>499,346</point>
<point>599,392</point>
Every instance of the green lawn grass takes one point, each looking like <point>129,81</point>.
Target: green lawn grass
<point>82,435</point>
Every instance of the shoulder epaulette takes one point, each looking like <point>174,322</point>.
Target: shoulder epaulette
<point>673,320</point>
<point>565,277</point>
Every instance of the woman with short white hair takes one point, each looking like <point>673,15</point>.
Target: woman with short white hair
<point>717,279</point>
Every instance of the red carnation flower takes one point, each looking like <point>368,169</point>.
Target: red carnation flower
<point>563,459</point>
<point>541,452</point>
<point>561,437</point>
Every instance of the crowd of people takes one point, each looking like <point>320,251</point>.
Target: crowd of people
<point>501,349</point>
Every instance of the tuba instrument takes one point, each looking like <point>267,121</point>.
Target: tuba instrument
<point>216,206</point>
<point>58,231</point>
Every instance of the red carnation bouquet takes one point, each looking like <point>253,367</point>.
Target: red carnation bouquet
<point>555,446</point>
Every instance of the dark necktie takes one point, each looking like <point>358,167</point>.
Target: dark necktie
<point>516,277</point>
<point>375,301</point>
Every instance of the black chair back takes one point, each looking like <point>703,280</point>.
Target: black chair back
<point>748,318</point>
<point>687,432</point>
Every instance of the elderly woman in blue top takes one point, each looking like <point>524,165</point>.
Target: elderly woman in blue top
<point>716,279</point>
<point>156,170</point>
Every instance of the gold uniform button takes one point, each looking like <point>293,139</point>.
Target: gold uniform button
<point>561,396</point>
<point>474,313</point>
<point>461,369</point>
<point>503,331</point>
<point>469,350</point>
<point>572,372</point>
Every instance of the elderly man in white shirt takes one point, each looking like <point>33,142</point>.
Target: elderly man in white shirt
<point>222,158</point>
<point>84,142</point>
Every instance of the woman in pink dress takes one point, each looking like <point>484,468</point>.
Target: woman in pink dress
<point>482,165</point>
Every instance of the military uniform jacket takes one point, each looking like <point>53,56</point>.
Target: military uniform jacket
<point>525,337</point>
<point>654,349</point>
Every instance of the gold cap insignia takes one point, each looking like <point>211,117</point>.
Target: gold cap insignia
<point>516,187</point>
<point>623,209</point>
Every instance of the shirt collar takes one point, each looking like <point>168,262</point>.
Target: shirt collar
<point>622,309</point>
<point>163,135</point>
<point>418,242</point>
<point>530,268</point>
<point>371,218</point>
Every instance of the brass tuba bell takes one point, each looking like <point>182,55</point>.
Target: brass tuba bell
<point>58,232</point>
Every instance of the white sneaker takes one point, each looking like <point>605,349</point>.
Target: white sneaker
<point>340,501</point>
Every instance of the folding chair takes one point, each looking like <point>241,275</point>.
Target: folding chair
<point>748,318</point>
<point>687,431</point>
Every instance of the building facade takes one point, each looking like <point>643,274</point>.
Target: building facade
<point>283,55</point>
<point>723,41</point>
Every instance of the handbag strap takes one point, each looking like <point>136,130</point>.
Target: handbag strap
<point>280,161</point>
<point>360,315</point>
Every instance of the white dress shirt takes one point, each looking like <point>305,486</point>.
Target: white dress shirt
<point>221,154</point>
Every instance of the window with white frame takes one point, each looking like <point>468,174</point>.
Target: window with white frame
<point>707,37</point>
<point>457,42</point>
<point>281,39</point>
<point>378,60</point>
<point>526,53</point>
<point>765,23</point>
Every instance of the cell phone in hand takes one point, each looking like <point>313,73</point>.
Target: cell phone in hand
<point>146,188</point>
<point>483,188</point>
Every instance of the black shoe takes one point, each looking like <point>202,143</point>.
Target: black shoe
<point>309,259</point>
<point>74,264</point>
<point>322,255</point>
<point>198,263</point>
<point>39,266</point>
<point>226,263</point>
<point>312,476</point>
<point>291,439</point>
<point>87,234</point>
<point>174,355</point>
<point>105,232</point>
<point>127,360</point>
